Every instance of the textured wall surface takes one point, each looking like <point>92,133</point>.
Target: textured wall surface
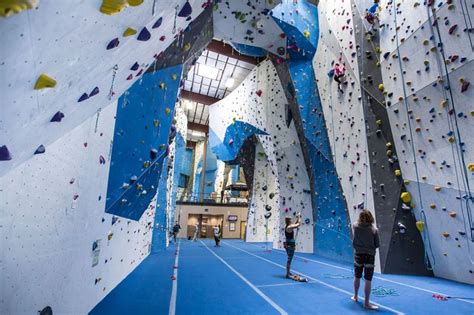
<point>53,212</point>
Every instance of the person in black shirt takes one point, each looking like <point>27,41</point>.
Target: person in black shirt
<point>290,242</point>
<point>176,229</point>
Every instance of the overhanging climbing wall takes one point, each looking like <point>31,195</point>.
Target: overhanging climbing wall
<point>427,68</point>
<point>257,106</point>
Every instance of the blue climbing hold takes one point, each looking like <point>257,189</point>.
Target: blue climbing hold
<point>157,23</point>
<point>41,149</point>
<point>57,117</point>
<point>135,66</point>
<point>113,43</point>
<point>83,97</point>
<point>5,153</point>
<point>186,10</point>
<point>95,91</point>
<point>144,35</point>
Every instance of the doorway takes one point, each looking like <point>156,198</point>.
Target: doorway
<point>206,222</point>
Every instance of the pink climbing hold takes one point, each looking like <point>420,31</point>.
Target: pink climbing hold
<point>259,92</point>
<point>162,38</point>
<point>231,141</point>
<point>130,77</point>
<point>452,29</point>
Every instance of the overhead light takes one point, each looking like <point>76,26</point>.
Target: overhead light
<point>208,72</point>
<point>229,83</point>
<point>189,105</point>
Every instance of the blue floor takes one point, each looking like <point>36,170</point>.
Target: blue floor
<point>243,278</point>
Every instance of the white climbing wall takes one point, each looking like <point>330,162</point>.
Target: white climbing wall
<point>67,40</point>
<point>52,211</point>
<point>260,101</point>
<point>244,22</point>
<point>436,114</point>
<point>265,191</point>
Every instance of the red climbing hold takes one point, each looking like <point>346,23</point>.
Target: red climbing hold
<point>130,77</point>
<point>465,86</point>
<point>259,92</point>
<point>452,29</point>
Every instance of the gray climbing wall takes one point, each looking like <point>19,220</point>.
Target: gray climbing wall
<point>426,70</point>
<point>52,217</point>
<point>259,102</point>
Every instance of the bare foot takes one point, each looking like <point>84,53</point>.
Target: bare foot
<point>371,307</point>
<point>355,298</point>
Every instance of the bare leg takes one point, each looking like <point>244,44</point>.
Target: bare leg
<point>288,266</point>
<point>367,289</point>
<point>356,289</point>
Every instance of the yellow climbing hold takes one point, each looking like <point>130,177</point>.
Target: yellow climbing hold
<point>406,182</point>
<point>398,173</point>
<point>174,76</point>
<point>452,214</point>
<point>167,110</point>
<point>470,167</point>
<point>186,47</point>
<point>381,87</point>
<point>110,235</point>
<point>129,32</point>
<point>406,197</point>
<point>162,85</point>
<point>10,7</point>
<point>306,34</point>
<point>443,103</point>
<point>420,225</point>
<point>111,7</point>
<point>44,82</point>
<point>445,234</point>
<point>146,164</point>
<point>134,3</point>
<point>432,206</point>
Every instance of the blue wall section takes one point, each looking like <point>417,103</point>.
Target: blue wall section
<point>143,121</point>
<point>160,225</point>
<point>249,50</point>
<point>331,231</point>
<point>210,177</point>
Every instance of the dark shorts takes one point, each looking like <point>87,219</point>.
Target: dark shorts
<point>364,263</point>
<point>290,249</point>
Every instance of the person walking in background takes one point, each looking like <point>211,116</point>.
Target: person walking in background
<point>176,229</point>
<point>365,242</point>
<point>217,234</point>
<point>196,231</point>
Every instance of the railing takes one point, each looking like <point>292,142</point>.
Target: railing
<point>212,198</point>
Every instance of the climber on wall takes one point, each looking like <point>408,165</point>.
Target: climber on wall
<point>365,243</point>
<point>290,244</point>
<point>217,234</point>
<point>176,229</point>
<point>339,74</point>
<point>371,16</point>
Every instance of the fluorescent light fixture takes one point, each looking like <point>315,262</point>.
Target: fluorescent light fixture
<point>208,72</point>
<point>229,83</point>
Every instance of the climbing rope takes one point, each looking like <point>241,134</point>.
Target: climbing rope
<point>425,233</point>
<point>114,73</point>
<point>381,291</point>
<point>467,21</point>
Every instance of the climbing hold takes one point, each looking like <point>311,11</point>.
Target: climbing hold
<point>420,225</point>
<point>110,235</point>
<point>57,117</point>
<point>113,43</point>
<point>259,92</point>
<point>452,29</point>
<point>445,234</point>
<point>129,32</point>
<point>144,35</point>
<point>83,97</point>
<point>157,23</point>
<point>268,215</point>
<point>134,3</point>
<point>5,153</point>
<point>433,206</point>
<point>186,10</point>
<point>162,85</point>
<point>111,7</point>
<point>94,92</point>
<point>452,214</point>
<point>406,197</point>
<point>398,173</point>
<point>470,167</point>
<point>437,188</point>
<point>10,7</point>
<point>44,81</point>
<point>135,66</point>
<point>381,87</point>
<point>41,149</point>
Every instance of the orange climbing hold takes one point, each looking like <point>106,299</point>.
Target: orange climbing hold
<point>44,81</point>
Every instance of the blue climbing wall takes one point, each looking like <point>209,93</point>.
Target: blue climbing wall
<point>143,121</point>
<point>210,176</point>
<point>331,231</point>
<point>158,240</point>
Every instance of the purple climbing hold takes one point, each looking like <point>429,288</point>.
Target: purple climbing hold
<point>101,160</point>
<point>95,91</point>
<point>135,66</point>
<point>83,97</point>
<point>186,10</point>
<point>41,149</point>
<point>144,35</point>
<point>157,23</point>
<point>113,43</point>
<point>5,153</point>
<point>465,86</point>
<point>57,117</point>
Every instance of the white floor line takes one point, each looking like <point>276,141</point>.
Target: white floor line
<point>379,278</point>
<point>313,279</point>
<point>280,284</point>
<point>266,298</point>
<point>174,290</point>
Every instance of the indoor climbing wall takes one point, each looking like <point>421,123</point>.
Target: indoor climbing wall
<point>59,248</point>
<point>264,198</point>
<point>257,107</point>
<point>50,92</point>
<point>427,66</point>
<point>343,110</point>
<point>249,25</point>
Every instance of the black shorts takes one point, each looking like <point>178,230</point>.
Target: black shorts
<point>290,249</point>
<point>364,263</point>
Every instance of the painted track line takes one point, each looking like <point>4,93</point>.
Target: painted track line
<point>314,279</point>
<point>174,290</point>
<point>266,298</point>
<point>378,278</point>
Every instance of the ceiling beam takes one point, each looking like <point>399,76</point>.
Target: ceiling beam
<point>200,98</point>
<point>227,50</point>
<point>198,127</point>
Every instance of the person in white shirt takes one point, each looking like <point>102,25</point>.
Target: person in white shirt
<point>217,234</point>
<point>196,231</point>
